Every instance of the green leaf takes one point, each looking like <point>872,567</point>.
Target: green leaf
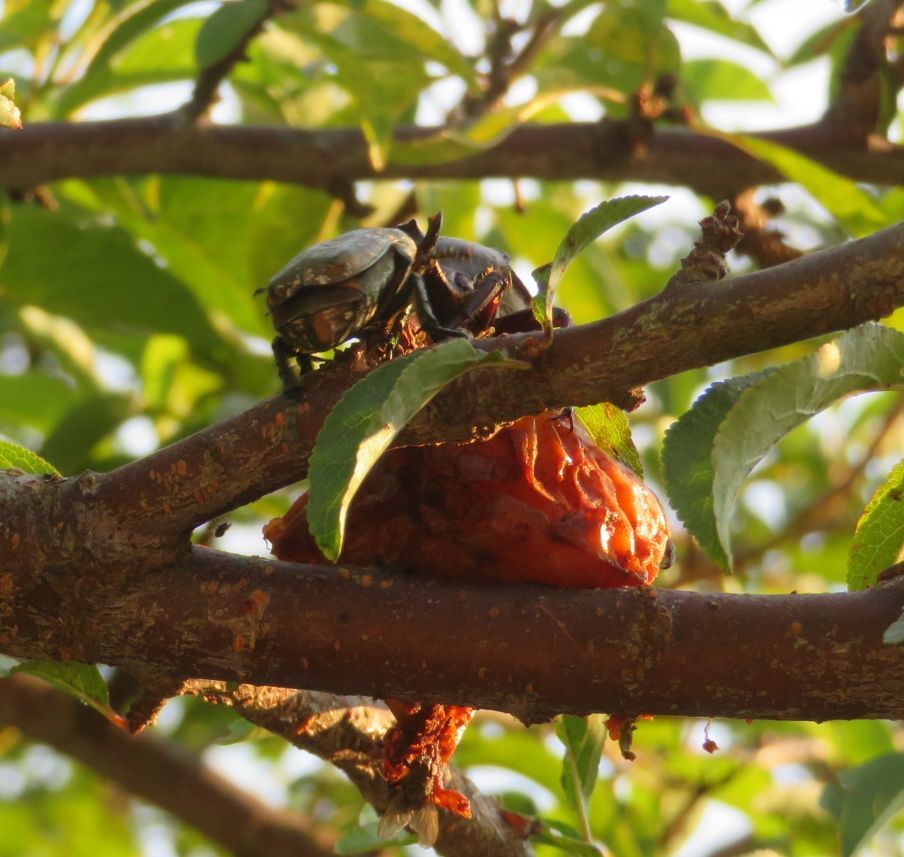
<point>25,24</point>
<point>81,680</point>
<point>610,429</point>
<point>583,738</point>
<point>880,532</point>
<point>411,33</point>
<point>365,421</point>
<point>626,45</point>
<point>158,55</point>
<point>98,277</point>
<point>894,633</point>
<point>13,455</point>
<point>865,800</point>
<point>855,209</point>
<point>570,844</point>
<point>822,41</point>
<point>713,16</point>
<point>869,357</point>
<point>88,422</point>
<point>365,839</point>
<point>588,228</point>
<point>710,79</point>
<point>687,464</point>
<point>136,21</point>
<point>227,28</point>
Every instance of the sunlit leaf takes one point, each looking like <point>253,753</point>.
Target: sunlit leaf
<point>588,228</point>
<point>708,79</point>
<point>880,532</point>
<point>857,210</point>
<point>13,455</point>
<point>715,17</point>
<point>610,429</point>
<point>81,680</point>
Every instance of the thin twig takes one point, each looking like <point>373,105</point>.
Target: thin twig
<point>205,92</point>
<point>348,732</point>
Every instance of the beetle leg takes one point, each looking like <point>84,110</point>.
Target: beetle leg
<point>523,321</point>
<point>426,315</point>
<point>290,365</point>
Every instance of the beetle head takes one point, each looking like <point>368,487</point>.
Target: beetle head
<point>318,319</point>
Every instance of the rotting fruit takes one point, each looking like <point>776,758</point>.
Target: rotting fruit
<point>537,503</point>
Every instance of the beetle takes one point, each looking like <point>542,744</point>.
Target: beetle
<point>334,290</point>
<point>362,281</point>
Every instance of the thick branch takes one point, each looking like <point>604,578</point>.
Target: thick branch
<point>527,650</point>
<point>45,152</point>
<point>683,328</point>
<point>171,778</point>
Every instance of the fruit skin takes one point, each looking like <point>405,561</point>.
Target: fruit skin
<point>537,503</point>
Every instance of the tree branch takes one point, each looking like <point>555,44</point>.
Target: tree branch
<point>234,462</point>
<point>531,651</point>
<point>348,732</point>
<point>174,780</point>
<point>208,82</point>
<point>44,152</point>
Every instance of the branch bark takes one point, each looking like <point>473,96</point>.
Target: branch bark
<point>348,732</point>
<point>234,462</point>
<point>44,152</point>
<point>531,651</point>
<point>174,780</point>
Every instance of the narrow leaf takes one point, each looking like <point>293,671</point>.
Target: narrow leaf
<point>687,464</point>
<point>13,455</point>
<point>588,228</point>
<point>880,532</point>
<point>853,207</point>
<point>609,427</point>
<point>894,633</point>
<point>225,30</point>
<point>366,420</point>
<point>583,738</point>
<point>867,358</point>
<point>81,680</point>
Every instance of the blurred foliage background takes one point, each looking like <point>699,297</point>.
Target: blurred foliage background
<point>128,320</point>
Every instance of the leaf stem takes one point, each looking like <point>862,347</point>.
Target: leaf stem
<point>581,802</point>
